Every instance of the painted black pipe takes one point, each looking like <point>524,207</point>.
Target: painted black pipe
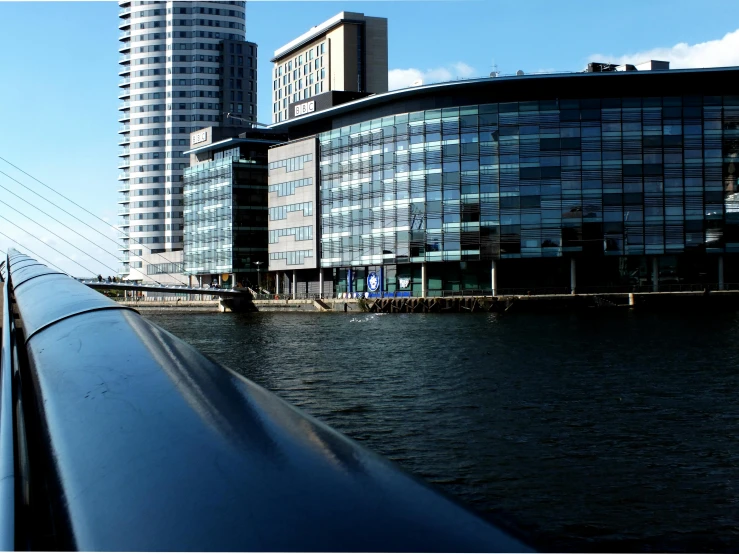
<point>146,444</point>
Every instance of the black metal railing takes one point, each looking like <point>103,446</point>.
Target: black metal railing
<point>137,441</point>
<point>7,449</point>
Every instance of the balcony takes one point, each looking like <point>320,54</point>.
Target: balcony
<point>124,12</point>
<point>124,152</point>
<point>126,69</point>
<point>125,93</point>
<point>124,129</point>
<point>125,141</point>
<point>125,47</point>
<point>125,24</point>
<point>125,116</point>
<point>123,176</point>
<point>124,105</point>
<point>124,187</point>
<point>124,198</point>
<point>124,209</point>
<point>125,35</point>
<point>125,58</point>
<point>126,81</point>
<point>125,164</point>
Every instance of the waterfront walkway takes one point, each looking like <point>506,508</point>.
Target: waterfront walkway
<point>726,299</point>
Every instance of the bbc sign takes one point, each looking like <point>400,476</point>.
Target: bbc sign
<point>305,107</point>
<point>197,138</point>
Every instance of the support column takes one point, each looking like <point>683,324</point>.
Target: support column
<point>720,273</point>
<point>423,280</point>
<point>494,277</point>
<point>233,281</point>
<point>320,282</point>
<point>655,274</point>
<point>277,283</point>
<point>189,281</point>
<point>349,281</point>
<point>295,284</point>
<point>573,276</point>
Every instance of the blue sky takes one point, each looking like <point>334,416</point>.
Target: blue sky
<point>59,68</point>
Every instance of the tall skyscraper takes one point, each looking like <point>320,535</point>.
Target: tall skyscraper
<point>345,53</point>
<point>184,66</point>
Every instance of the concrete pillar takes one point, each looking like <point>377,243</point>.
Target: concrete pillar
<point>655,274</point>
<point>720,273</point>
<point>320,283</point>
<point>423,280</point>
<point>295,284</point>
<point>189,281</point>
<point>277,283</point>
<point>494,278</point>
<point>233,281</point>
<point>573,276</point>
<point>349,281</point>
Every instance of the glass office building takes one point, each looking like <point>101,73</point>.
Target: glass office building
<point>225,211</point>
<point>624,180</point>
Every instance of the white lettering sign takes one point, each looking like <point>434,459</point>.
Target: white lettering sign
<point>197,138</point>
<point>305,107</point>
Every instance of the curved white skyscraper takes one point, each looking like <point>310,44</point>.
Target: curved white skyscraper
<point>184,65</point>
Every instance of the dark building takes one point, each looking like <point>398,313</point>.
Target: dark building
<point>608,180</point>
<point>239,81</point>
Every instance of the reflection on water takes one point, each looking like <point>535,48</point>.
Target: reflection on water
<point>602,431</point>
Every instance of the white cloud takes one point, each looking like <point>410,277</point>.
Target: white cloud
<point>722,52</point>
<point>403,78</point>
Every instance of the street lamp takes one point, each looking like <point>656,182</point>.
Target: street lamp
<point>259,281</point>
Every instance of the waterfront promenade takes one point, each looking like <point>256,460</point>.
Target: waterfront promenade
<point>671,300</point>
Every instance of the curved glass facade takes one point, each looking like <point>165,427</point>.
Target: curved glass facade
<point>613,183</point>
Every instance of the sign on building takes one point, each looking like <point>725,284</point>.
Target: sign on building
<point>199,137</point>
<point>305,107</point>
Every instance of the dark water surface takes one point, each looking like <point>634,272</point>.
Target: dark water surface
<point>601,431</point>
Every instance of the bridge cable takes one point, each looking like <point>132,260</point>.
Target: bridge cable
<point>64,225</point>
<point>67,226</point>
<point>54,249</point>
<point>65,240</point>
<point>57,236</point>
<point>32,252</point>
<point>81,208</point>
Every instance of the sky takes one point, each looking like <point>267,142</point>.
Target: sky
<point>59,84</point>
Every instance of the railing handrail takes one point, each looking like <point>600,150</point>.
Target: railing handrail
<point>145,444</point>
<point>7,450</point>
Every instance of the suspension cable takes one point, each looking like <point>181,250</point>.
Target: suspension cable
<point>80,207</point>
<point>32,252</point>
<point>56,235</point>
<point>48,245</point>
<point>68,227</point>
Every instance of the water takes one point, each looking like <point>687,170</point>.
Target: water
<point>598,431</point>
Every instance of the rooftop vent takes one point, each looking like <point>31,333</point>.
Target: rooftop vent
<point>519,72</point>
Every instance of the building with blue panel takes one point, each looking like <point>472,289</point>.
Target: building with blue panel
<point>602,180</point>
